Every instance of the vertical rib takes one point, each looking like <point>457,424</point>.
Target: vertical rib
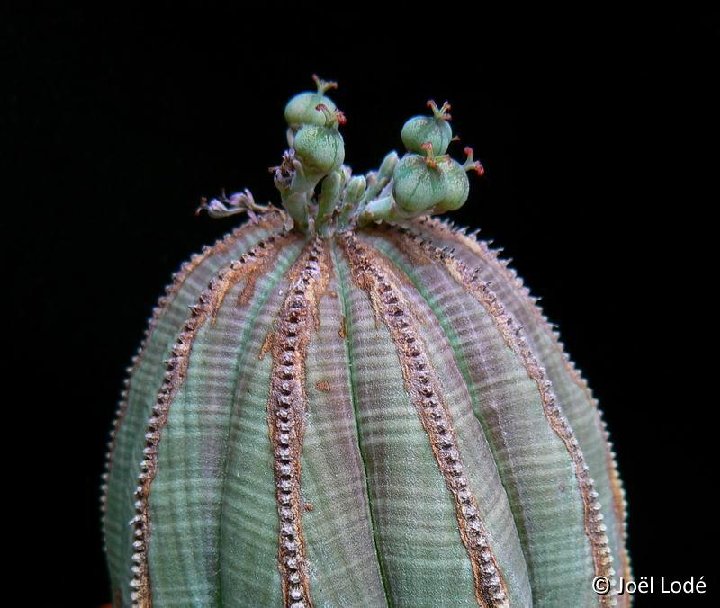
<point>422,384</point>
<point>176,371</point>
<point>513,336</point>
<point>287,409</point>
<point>188,559</point>
<point>446,351</point>
<point>221,247</point>
<point>339,531</point>
<point>145,376</point>
<point>576,398</point>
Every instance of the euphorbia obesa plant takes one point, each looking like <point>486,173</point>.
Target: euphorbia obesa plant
<point>345,402</point>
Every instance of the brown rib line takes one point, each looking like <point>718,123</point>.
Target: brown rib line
<point>513,336</point>
<point>256,260</point>
<point>443,230</point>
<point>287,408</point>
<point>371,273</point>
<point>270,221</point>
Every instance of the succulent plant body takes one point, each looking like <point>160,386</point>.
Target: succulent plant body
<point>345,402</point>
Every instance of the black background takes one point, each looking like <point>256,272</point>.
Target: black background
<point>595,129</point>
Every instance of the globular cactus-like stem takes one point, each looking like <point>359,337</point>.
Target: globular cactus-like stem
<point>348,403</point>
